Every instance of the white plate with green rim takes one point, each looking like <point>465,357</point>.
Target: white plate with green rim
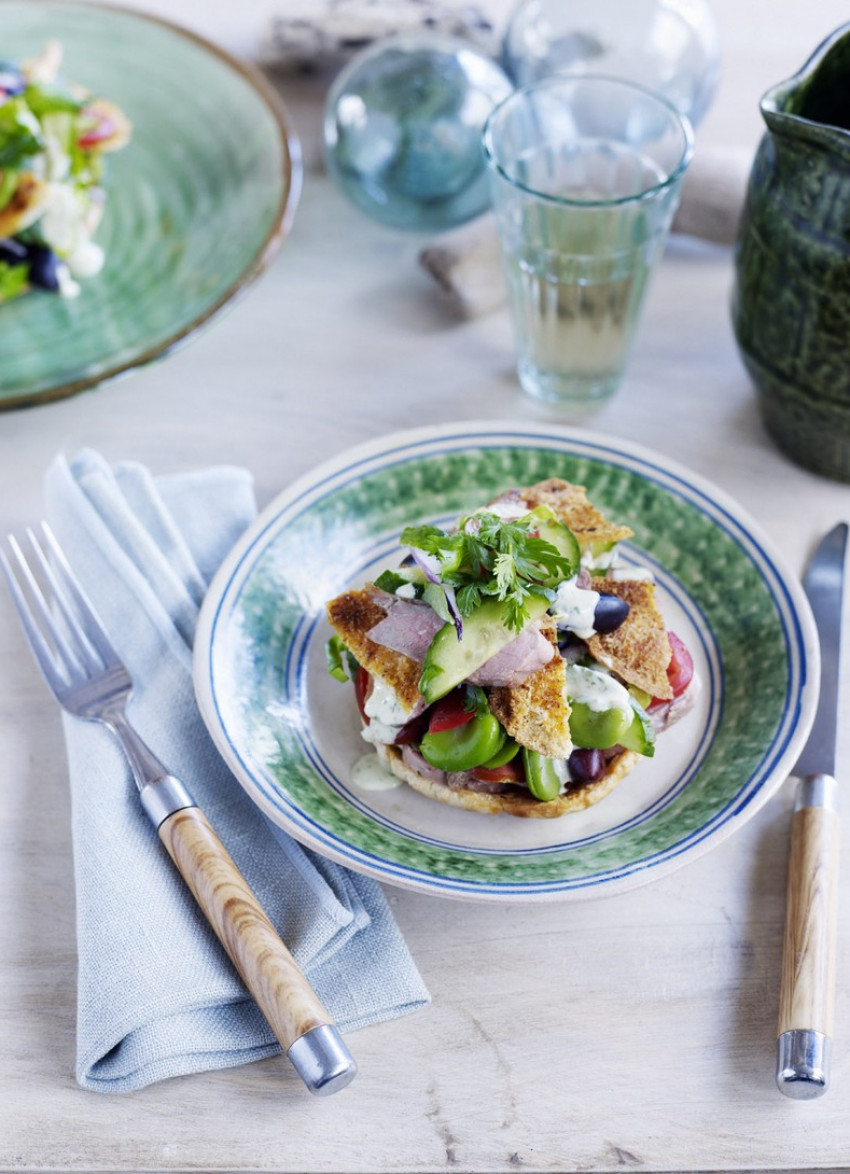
<point>290,732</point>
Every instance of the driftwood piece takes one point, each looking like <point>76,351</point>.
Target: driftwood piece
<point>310,38</point>
<point>466,263</point>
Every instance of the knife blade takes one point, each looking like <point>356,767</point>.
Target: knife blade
<point>807,990</point>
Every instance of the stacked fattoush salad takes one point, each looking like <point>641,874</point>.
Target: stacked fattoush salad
<point>513,663</point>
<point>52,142</point>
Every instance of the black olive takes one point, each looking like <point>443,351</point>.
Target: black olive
<point>12,252</point>
<point>586,765</point>
<point>44,267</point>
<point>610,613</point>
<point>12,81</point>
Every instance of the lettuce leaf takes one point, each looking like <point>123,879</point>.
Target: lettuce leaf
<point>20,133</point>
<point>48,100</point>
<point>13,280</point>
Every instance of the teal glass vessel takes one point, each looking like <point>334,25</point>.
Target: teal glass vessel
<point>402,130</point>
<point>669,46</point>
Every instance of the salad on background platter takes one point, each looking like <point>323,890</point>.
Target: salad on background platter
<point>53,139</point>
<point>513,663</point>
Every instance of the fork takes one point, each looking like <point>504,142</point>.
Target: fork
<point>88,679</point>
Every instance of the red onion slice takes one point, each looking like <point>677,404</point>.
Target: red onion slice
<point>429,564</point>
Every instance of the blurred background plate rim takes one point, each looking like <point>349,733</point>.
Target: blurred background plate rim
<point>291,178</point>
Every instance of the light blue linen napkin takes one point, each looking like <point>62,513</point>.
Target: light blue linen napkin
<point>157,996</point>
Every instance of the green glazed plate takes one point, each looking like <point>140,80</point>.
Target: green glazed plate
<point>290,732</point>
<point>197,204</point>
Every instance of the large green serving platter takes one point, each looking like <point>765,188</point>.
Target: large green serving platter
<point>198,203</point>
<point>292,735</point>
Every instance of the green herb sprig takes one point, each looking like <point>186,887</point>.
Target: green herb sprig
<point>489,557</point>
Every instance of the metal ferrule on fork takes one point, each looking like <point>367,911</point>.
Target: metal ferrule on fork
<point>163,797</point>
<point>161,793</point>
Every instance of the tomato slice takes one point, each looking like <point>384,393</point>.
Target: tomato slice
<point>362,689</point>
<point>508,772</point>
<point>680,670</point>
<point>412,731</point>
<point>450,712</point>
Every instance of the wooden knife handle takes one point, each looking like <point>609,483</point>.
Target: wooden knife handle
<point>285,997</point>
<point>807,991</point>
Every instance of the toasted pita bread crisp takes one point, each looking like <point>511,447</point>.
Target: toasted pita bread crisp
<point>570,505</point>
<point>537,713</point>
<point>352,615</point>
<point>24,207</point>
<point>515,800</point>
<point>638,651</point>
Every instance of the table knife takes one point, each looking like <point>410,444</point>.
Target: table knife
<point>807,992</point>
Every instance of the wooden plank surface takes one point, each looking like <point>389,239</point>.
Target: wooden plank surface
<point>634,1033</point>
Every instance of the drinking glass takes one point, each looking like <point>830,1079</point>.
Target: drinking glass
<point>585,174</point>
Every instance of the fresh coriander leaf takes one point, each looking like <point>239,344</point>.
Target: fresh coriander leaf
<point>515,614</point>
<point>428,538</point>
<point>488,557</point>
<point>389,581</point>
<point>505,570</point>
<point>468,598</point>
<point>475,700</point>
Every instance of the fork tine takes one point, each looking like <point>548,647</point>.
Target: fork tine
<point>42,651</point>
<point>83,650</point>
<point>90,621</point>
<point>75,658</point>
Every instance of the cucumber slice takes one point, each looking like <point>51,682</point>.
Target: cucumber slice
<point>449,661</point>
<point>640,736</point>
<point>552,530</point>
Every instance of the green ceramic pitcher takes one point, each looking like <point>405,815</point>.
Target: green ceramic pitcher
<point>791,304</point>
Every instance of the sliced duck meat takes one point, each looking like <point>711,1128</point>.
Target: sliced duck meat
<point>515,663</point>
<point>461,780</point>
<point>408,628</point>
<point>411,757</point>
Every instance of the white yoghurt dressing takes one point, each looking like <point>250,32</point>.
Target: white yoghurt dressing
<point>630,574</point>
<point>370,774</point>
<point>598,691</point>
<point>573,608</point>
<point>601,561</point>
<point>385,712</point>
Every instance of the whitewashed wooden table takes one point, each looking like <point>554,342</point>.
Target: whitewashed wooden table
<point>635,1032</point>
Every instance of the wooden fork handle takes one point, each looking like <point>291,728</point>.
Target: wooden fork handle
<point>292,1008</point>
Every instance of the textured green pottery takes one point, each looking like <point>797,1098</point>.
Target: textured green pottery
<point>791,307</point>
<point>197,204</point>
